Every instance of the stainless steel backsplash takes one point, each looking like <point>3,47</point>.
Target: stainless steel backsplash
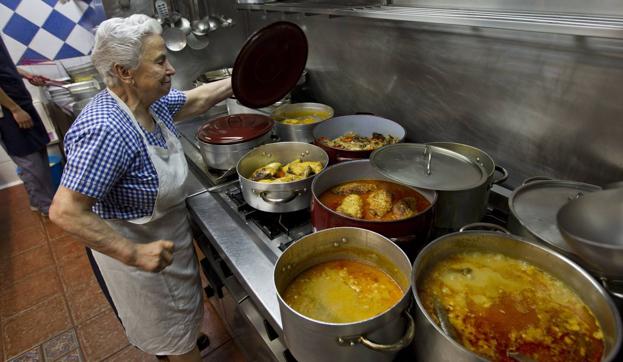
<point>539,104</point>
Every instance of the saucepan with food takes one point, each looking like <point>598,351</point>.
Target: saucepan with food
<point>343,295</point>
<point>354,137</point>
<point>296,121</point>
<point>277,177</point>
<point>355,194</point>
<point>487,295</point>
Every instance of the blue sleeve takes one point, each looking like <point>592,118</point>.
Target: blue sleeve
<point>97,157</point>
<point>174,101</point>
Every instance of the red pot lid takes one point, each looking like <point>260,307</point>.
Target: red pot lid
<point>269,64</point>
<point>235,128</point>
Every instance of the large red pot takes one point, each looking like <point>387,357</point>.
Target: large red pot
<point>409,233</point>
<point>361,124</point>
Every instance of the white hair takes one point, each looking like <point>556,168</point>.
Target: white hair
<point>120,41</point>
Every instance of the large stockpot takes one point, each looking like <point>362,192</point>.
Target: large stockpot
<point>376,339</point>
<point>592,226</point>
<point>361,124</point>
<point>533,207</point>
<point>432,344</point>
<point>415,229</point>
<point>224,140</point>
<point>482,158</point>
<point>278,197</point>
<point>462,183</point>
<point>299,132</point>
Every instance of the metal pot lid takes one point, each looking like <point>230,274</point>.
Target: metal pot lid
<point>536,204</point>
<point>428,167</point>
<point>269,64</point>
<point>235,128</point>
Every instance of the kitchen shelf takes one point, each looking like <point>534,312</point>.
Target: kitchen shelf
<point>570,24</point>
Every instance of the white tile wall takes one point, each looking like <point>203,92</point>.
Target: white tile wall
<point>8,177</point>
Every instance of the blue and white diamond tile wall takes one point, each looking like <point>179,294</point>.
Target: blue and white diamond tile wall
<point>40,30</point>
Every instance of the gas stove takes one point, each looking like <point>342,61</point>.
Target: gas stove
<point>276,230</point>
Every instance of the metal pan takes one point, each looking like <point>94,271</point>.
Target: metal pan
<point>361,124</point>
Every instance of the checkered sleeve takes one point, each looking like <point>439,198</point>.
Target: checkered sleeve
<point>97,157</point>
<point>174,101</point>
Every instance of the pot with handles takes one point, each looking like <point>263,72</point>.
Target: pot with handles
<point>592,225</point>
<point>300,132</point>
<point>482,158</point>
<point>361,124</point>
<point>378,338</point>
<point>406,232</point>
<point>223,140</point>
<point>278,197</point>
<point>433,344</point>
<point>462,183</point>
<point>533,207</point>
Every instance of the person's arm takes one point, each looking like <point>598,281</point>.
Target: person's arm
<point>36,80</point>
<point>22,118</point>
<point>200,99</point>
<point>72,212</point>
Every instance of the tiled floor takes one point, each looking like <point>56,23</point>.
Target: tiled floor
<point>51,308</point>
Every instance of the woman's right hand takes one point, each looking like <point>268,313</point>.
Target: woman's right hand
<point>153,257</point>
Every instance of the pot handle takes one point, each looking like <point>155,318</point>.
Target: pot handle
<point>614,287</point>
<point>345,159</point>
<point>406,339</point>
<point>282,200</point>
<point>484,226</point>
<point>535,178</point>
<point>503,177</point>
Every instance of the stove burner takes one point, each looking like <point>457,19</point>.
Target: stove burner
<point>293,224</point>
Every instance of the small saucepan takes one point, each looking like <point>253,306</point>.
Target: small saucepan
<point>360,124</point>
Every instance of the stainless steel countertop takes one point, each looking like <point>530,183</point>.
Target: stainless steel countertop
<point>240,249</point>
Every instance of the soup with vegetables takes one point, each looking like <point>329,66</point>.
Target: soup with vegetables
<point>342,291</point>
<point>500,306</point>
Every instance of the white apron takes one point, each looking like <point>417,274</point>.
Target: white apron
<point>161,312</point>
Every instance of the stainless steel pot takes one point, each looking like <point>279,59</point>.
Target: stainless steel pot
<point>225,157</point>
<point>533,207</point>
<point>299,132</point>
<point>593,226</point>
<point>462,184</point>
<point>432,344</point>
<point>224,140</point>
<point>376,339</point>
<point>278,197</point>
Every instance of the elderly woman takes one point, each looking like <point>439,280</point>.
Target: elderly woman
<point>122,191</point>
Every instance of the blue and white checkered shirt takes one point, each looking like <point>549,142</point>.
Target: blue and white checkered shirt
<point>107,159</point>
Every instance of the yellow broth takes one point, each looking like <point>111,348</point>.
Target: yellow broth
<point>342,291</point>
<point>498,305</point>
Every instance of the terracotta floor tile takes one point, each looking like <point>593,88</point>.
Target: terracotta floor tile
<point>15,243</point>
<point>214,328</point>
<point>1,345</point>
<point>73,356</point>
<point>86,302</point>
<point>66,248</point>
<point>77,273</point>
<point>34,355</point>
<point>35,325</point>
<point>60,345</point>
<point>20,266</point>
<point>16,222</point>
<point>228,352</point>
<point>131,353</point>
<point>52,229</point>
<point>102,336</point>
<point>29,291</point>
